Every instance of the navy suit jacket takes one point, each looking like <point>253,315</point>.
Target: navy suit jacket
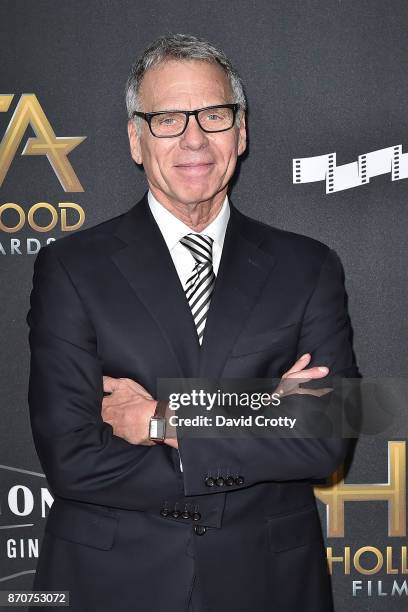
<point>107,300</point>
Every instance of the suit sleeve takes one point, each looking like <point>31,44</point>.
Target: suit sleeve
<point>81,457</point>
<point>326,334</point>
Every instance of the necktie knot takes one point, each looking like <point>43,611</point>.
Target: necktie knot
<point>200,247</point>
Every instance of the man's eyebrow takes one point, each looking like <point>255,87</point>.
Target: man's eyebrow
<point>164,109</point>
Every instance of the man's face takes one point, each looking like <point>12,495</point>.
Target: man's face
<point>197,165</point>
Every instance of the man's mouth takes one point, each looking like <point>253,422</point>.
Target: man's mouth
<point>193,164</point>
<point>195,168</point>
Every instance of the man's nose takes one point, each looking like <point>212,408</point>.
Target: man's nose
<point>193,137</point>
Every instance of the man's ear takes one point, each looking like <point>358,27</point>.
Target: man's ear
<point>134,142</point>
<point>242,138</point>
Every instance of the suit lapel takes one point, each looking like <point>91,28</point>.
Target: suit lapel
<point>242,274</point>
<point>145,262</point>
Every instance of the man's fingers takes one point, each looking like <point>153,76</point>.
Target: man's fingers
<point>289,383</point>
<point>136,387</point>
<point>299,370</point>
<point>309,373</point>
<point>114,384</point>
<point>110,384</point>
<point>317,392</point>
<point>314,392</point>
<point>300,364</point>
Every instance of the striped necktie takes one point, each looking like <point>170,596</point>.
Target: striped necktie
<point>200,284</point>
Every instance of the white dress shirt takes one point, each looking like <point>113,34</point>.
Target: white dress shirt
<point>173,229</point>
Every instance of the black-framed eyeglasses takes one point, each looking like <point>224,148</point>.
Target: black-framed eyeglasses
<point>166,124</point>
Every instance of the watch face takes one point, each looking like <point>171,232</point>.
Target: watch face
<point>157,430</point>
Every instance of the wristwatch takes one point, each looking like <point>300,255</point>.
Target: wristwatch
<point>157,425</point>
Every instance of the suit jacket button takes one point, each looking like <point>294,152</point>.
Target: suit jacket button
<point>175,513</point>
<point>229,481</point>
<point>239,480</point>
<point>220,481</point>
<point>209,481</point>
<point>185,514</point>
<point>196,516</point>
<point>200,530</point>
<point>164,512</point>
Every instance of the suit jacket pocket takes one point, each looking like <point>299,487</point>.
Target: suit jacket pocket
<point>84,525</point>
<point>295,529</point>
<point>263,341</point>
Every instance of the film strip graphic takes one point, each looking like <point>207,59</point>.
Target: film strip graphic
<point>323,168</point>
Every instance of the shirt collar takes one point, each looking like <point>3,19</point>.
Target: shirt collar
<point>173,229</point>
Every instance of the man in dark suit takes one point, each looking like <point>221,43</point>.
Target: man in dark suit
<point>183,285</point>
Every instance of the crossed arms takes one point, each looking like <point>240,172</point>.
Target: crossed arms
<point>96,449</point>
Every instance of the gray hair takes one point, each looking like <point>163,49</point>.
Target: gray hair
<point>179,47</point>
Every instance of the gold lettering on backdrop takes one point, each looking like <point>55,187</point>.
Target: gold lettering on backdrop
<point>64,223</point>
<point>390,568</point>
<point>21,217</point>
<point>343,559</point>
<point>395,560</point>
<point>394,492</point>
<point>364,570</point>
<point>53,214</point>
<point>28,113</point>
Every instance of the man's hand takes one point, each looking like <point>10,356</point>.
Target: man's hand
<point>128,409</point>
<point>298,374</point>
<point>129,406</point>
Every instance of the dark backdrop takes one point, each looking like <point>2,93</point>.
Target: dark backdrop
<point>321,76</point>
